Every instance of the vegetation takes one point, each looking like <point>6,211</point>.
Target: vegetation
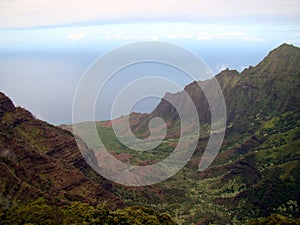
<point>256,173</point>
<point>274,219</point>
<point>254,179</point>
<point>253,183</point>
<point>41,212</point>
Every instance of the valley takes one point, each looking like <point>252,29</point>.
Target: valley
<point>255,174</point>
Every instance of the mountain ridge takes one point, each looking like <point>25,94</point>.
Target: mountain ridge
<point>250,177</point>
<point>41,160</point>
<point>246,85</point>
<point>255,174</point>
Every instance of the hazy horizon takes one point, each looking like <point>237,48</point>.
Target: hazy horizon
<point>46,48</point>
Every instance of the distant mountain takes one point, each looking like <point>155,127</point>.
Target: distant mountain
<point>257,170</point>
<point>256,173</point>
<point>41,160</point>
<point>270,88</point>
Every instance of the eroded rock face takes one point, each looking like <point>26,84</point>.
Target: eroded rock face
<point>41,160</point>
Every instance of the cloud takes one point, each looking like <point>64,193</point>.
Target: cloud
<point>75,36</point>
<point>236,35</point>
<point>221,67</point>
<point>170,35</point>
<point>177,31</point>
<point>131,37</point>
<point>33,13</point>
<point>122,37</point>
<point>204,36</point>
<point>242,67</point>
<point>38,115</point>
<point>180,35</point>
<point>293,41</point>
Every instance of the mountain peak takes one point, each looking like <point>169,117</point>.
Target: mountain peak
<point>285,46</point>
<point>284,50</point>
<point>6,105</point>
<point>281,60</point>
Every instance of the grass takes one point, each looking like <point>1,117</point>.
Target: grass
<point>189,198</point>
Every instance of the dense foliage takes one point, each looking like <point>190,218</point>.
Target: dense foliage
<point>43,213</point>
<point>274,219</point>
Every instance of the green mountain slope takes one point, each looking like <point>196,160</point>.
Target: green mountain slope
<point>256,172</point>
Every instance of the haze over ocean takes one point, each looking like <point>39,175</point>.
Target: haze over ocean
<point>42,60</point>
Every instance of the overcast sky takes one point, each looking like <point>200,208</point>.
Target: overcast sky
<point>33,13</point>
<point>45,46</point>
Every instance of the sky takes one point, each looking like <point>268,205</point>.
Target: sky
<point>46,46</point>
